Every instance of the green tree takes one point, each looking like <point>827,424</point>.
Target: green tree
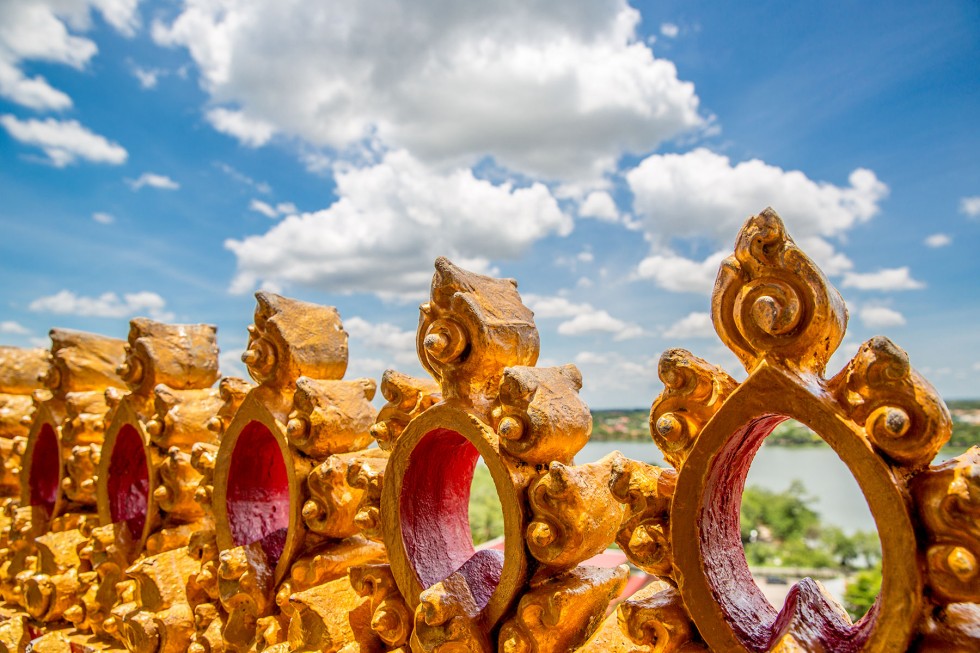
<point>781,529</point>
<point>784,515</point>
<point>862,591</point>
<point>486,516</point>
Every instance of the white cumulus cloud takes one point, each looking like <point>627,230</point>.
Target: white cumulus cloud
<point>670,30</point>
<point>692,325</point>
<point>600,205</point>
<point>13,328</point>
<point>970,206</point>
<point>555,91</point>
<point>41,30</point>
<point>600,321</point>
<point>880,317</point>
<point>383,336</point>
<point>680,274</point>
<point>252,132</point>
<point>703,195</point>
<point>545,307</point>
<point>147,77</point>
<point>585,318</point>
<point>938,240</point>
<point>270,211</point>
<point>153,180</point>
<point>884,279</point>
<point>105,305</point>
<point>390,222</point>
<point>64,141</point>
<point>103,218</point>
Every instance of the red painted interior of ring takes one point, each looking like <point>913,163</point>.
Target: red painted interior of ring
<point>257,500</point>
<point>45,469</point>
<point>753,619</point>
<point>129,481</point>
<point>434,514</point>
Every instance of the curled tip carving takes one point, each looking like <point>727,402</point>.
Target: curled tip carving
<point>771,302</point>
<point>694,391</point>
<point>902,414</point>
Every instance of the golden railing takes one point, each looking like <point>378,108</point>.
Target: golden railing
<point>146,508</point>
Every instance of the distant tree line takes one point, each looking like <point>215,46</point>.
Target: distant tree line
<point>633,425</point>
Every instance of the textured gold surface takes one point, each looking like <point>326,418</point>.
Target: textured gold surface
<point>350,580</point>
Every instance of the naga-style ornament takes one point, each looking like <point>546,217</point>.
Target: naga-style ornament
<point>284,508</point>
<point>479,342</point>
<point>778,313</point>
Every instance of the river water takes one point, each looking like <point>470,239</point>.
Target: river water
<point>835,492</point>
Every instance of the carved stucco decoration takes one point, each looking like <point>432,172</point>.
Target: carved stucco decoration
<point>145,489</point>
<point>778,313</point>
<point>321,579</point>
<point>40,570</point>
<point>21,374</point>
<point>82,367</point>
<point>480,344</point>
<point>284,509</point>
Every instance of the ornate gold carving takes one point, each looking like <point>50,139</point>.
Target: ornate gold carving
<point>644,536</point>
<point>560,613</point>
<point>656,619</point>
<point>56,586</point>
<point>333,503</point>
<point>26,523</point>
<point>776,311</point>
<point>694,391</point>
<point>214,577</point>
<point>290,339</point>
<point>15,634</point>
<point>178,484</point>
<point>107,554</point>
<point>390,617</point>
<point>482,317</point>
<point>480,344</point>
<point>367,476</point>
<point>772,303</point>
<point>573,512</point>
<point>331,416</point>
<point>20,374</point>
<point>324,617</point>
<point>245,590</point>
<point>182,418</point>
<point>180,356</point>
<point>310,426</point>
<point>232,392</point>
<point>948,498</point>
<point>159,618</point>
<point>902,414</point>
<point>83,362</point>
<point>540,417</point>
<point>447,619</point>
<point>407,398</point>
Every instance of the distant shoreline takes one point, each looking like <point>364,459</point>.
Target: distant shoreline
<point>631,425</point>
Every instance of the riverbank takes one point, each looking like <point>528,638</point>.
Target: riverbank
<point>631,425</point>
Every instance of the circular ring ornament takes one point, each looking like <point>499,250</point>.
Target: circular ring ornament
<point>425,511</point>
<point>710,567</point>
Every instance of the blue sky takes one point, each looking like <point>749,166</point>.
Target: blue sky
<point>167,159</point>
